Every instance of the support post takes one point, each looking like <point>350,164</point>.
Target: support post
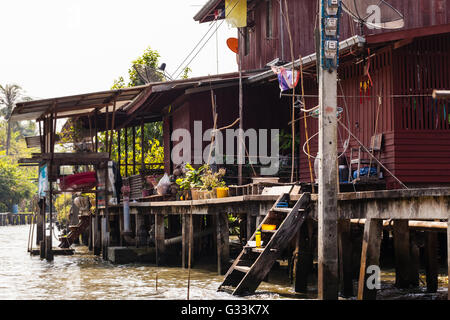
<point>431,261</point>
<point>345,258</point>
<point>303,263</point>
<point>96,234</point>
<point>402,253</point>
<point>105,237</point>
<point>328,275</point>
<point>223,243</point>
<point>140,230</point>
<point>185,244</point>
<point>159,238</point>
<point>370,256</point>
<point>251,225</point>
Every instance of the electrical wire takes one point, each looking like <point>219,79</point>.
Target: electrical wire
<point>196,46</point>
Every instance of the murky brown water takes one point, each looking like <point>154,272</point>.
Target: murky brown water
<point>86,277</point>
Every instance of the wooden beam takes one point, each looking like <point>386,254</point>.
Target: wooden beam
<point>441,94</point>
<point>370,256</point>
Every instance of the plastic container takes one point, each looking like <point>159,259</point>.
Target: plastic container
<point>222,192</point>
<point>268,227</point>
<point>258,239</point>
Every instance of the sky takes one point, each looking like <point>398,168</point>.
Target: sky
<point>54,48</point>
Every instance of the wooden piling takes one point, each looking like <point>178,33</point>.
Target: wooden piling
<point>370,256</point>
<point>251,225</point>
<point>345,257</point>
<point>303,257</point>
<point>105,237</point>
<point>159,238</point>
<point>185,240</point>
<point>97,243</point>
<point>140,225</point>
<point>414,265</point>
<point>223,243</point>
<point>402,253</point>
<point>431,261</point>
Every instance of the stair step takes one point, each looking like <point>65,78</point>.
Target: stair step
<point>227,289</point>
<point>258,250</point>
<point>73,227</point>
<point>242,269</point>
<point>268,231</point>
<point>285,210</point>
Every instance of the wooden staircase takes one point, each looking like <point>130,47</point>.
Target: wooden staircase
<point>75,232</point>
<point>253,264</point>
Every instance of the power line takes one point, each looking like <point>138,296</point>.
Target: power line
<point>196,46</point>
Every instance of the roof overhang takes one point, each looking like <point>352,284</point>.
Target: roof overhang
<point>206,13</point>
<point>407,34</point>
<point>76,105</point>
<point>310,60</point>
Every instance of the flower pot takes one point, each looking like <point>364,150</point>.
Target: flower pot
<point>222,192</point>
<point>195,194</point>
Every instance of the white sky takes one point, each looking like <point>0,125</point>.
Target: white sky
<point>55,48</point>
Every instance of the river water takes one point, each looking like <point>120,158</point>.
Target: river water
<point>86,277</point>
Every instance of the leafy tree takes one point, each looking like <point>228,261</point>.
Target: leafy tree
<point>10,94</point>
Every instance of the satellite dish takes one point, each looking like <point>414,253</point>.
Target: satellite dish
<point>147,74</point>
<point>374,14</point>
<point>233,44</point>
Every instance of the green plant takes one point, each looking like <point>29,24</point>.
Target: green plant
<point>192,177</point>
<point>212,180</point>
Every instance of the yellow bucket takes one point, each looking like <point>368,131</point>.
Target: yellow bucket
<point>222,192</point>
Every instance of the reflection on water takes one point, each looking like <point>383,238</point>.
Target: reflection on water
<point>84,276</point>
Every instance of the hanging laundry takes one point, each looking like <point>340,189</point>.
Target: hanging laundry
<point>236,13</point>
<point>285,78</point>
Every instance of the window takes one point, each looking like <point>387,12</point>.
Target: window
<point>269,19</point>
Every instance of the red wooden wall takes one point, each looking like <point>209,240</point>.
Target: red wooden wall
<point>302,17</point>
<point>422,133</point>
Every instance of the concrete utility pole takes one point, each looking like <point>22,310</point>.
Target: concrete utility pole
<point>328,284</point>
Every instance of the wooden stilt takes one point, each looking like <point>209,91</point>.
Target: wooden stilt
<point>105,237</point>
<point>96,235</point>
<point>140,230</point>
<point>303,258</point>
<point>185,242</point>
<point>414,265</point>
<point>402,253</point>
<point>251,225</point>
<point>370,256</point>
<point>345,257</point>
<point>159,238</point>
<point>431,261</point>
<point>223,245</point>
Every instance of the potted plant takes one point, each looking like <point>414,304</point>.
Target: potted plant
<point>191,181</point>
<point>213,184</point>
